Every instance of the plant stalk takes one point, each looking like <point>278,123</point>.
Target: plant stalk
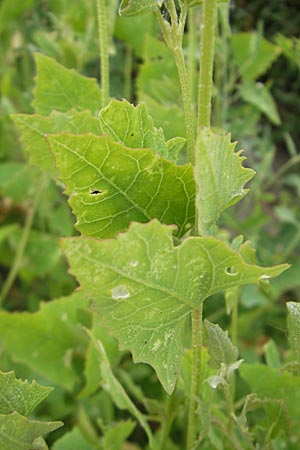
<point>196,376</point>
<point>22,245</point>
<point>103,47</point>
<point>207,47</point>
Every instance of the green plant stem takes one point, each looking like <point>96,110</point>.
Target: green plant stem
<point>173,35</point>
<point>196,375</point>
<point>103,46</point>
<point>192,50</point>
<point>22,245</point>
<point>208,26</point>
<point>86,427</point>
<point>128,73</point>
<point>167,424</point>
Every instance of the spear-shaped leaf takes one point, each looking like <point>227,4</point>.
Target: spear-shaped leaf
<point>219,175</point>
<point>144,287</point>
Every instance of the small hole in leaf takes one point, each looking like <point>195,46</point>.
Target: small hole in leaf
<point>231,270</point>
<point>96,191</point>
<point>131,134</point>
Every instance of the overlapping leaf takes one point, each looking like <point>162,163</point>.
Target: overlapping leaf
<point>112,185</point>
<point>61,89</point>
<point>18,432</point>
<point>35,127</point>
<point>133,126</point>
<point>219,175</point>
<point>46,340</point>
<point>259,96</point>
<point>144,287</point>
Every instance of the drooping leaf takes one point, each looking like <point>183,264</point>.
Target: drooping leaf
<point>73,440</point>
<point>112,185</point>
<point>136,7</point>
<point>259,96</point>
<point>294,327</point>
<point>61,89</point>
<point>253,54</point>
<point>133,126</point>
<point>219,175</point>
<point>112,386</point>
<point>19,395</point>
<point>47,340</point>
<point>35,127</point>
<point>115,436</point>
<point>18,432</point>
<point>144,287</point>
<point>220,347</point>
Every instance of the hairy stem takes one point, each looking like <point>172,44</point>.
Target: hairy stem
<point>196,376</point>
<point>22,245</point>
<point>103,46</point>
<point>208,26</point>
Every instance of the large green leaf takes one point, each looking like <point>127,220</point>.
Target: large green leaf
<point>136,7</point>
<point>35,127</point>
<point>144,287</point>
<point>18,432</point>
<point>20,396</point>
<point>47,340</point>
<point>61,89</point>
<point>219,175</point>
<point>112,185</point>
<point>117,392</point>
<point>259,96</point>
<point>133,126</point>
<point>253,54</point>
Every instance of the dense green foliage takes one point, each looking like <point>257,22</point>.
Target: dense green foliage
<point>115,182</point>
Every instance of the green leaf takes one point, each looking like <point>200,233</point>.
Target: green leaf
<point>20,396</point>
<point>293,323</point>
<point>18,181</point>
<point>117,434</point>
<point>72,440</point>
<point>219,175</point>
<point>220,347</point>
<point>112,185</point>
<point>47,340</point>
<point>18,432</point>
<point>272,354</point>
<point>34,128</point>
<point>290,47</point>
<point>136,7</point>
<point>253,54</point>
<point>259,96</point>
<point>61,89</point>
<point>144,287</point>
<point>112,386</point>
<point>133,126</point>
<point>268,382</point>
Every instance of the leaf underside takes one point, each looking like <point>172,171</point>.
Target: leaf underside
<point>144,288</point>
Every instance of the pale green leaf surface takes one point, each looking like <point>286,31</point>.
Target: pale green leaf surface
<point>117,434</point>
<point>18,432</point>
<point>259,96</point>
<point>19,395</point>
<point>61,89</point>
<point>47,339</point>
<point>35,127</point>
<point>72,441</point>
<point>253,54</point>
<point>219,175</point>
<point>112,386</point>
<point>18,181</point>
<point>268,382</point>
<point>92,374</point>
<point>112,185</point>
<point>144,287</point>
<point>293,323</point>
<point>136,7</point>
<point>132,126</point>
<point>220,347</point>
